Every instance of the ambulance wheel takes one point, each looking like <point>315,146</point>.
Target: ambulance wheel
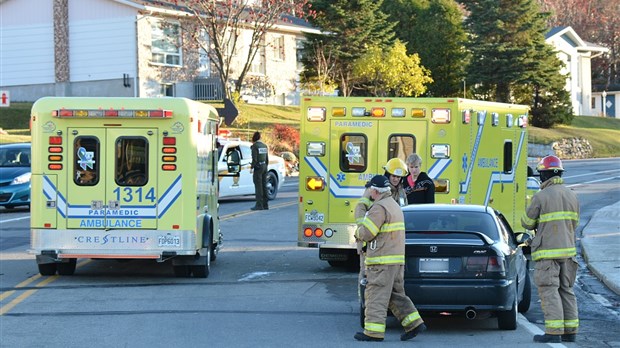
<point>66,268</point>
<point>47,269</point>
<point>272,186</point>
<point>202,271</point>
<point>181,271</point>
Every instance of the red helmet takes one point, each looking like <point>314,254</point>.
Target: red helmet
<point>550,163</point>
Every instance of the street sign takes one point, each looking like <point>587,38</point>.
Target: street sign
<point>5,100</point>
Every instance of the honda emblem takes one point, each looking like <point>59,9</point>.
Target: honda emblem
<point>433,249</point>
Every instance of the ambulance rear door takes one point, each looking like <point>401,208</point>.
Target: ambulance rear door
<point>113,181</point>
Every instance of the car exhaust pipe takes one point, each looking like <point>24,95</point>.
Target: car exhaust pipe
<point>470,314</point>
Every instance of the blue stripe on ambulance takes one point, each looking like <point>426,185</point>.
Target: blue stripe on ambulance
<point>474,153</point>
<point>172,193</point>
<point>438,168</point>
<point>337,191</point>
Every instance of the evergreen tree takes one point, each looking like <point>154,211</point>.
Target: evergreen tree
<point>350,28</point>
<point>434,30</point>
<point>509,53</point>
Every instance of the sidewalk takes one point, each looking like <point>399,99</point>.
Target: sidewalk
<point>600,245</point>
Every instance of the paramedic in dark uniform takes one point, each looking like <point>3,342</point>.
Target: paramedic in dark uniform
<point>260,160</point>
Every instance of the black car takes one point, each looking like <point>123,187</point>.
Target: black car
<point>464,260</point>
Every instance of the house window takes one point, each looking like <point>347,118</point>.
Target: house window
<point>167,90</point>
<point>258,64</point>
<point>278,48</point>
<point>299,48</point>
<point>166,43</point>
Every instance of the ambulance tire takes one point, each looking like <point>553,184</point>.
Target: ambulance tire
<point>47,269</point>
<point>181,271</point>
<point>202,271</point>
<point>66,268</point>
<point>272,186</point>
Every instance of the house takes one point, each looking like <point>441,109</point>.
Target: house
<point>125,48</point>
<point>577,55</point>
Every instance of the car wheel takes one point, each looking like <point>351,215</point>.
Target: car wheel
<point>272,186</point>
<point>524,305</point>
<point>507,320</point>
<point>66,268</point>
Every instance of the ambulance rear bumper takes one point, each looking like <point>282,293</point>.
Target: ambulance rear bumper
<point>112,244</point>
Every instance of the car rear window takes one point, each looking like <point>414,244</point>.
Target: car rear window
<point>450,221</point>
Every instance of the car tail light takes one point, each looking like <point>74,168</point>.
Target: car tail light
<point>484,264</point>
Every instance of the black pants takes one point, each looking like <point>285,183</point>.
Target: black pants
<point>260,187</point>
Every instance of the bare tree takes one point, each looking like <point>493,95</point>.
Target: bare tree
<point>223,24</point>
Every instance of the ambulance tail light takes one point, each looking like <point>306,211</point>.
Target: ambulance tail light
<point>103,113</point>
<point>54,166</point>
<point>169,167</point>
<point>308,232</point>
<point>169,158</point>
<point>55,140</point>
<point>170,141</point>
<point>315,183</point>
<point>442,185</point>
<point>168,149</point>
<point>318,232</point>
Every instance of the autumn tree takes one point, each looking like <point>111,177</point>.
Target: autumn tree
<point>391,72</point>
<point>434,30</point>
<point>349,27</point>
<point>218,28</point>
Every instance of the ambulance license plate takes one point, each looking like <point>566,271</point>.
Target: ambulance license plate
<point>314,217</point>
<point>169,240</point>
<point>434,265</point>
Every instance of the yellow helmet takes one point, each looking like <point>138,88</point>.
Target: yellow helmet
<point>397,167</point>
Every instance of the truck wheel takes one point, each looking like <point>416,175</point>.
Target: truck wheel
<point>272,186</point>
<point>202,271</point>
<point>66,268</point>
<point>182,271</point>
<point>47,269</point>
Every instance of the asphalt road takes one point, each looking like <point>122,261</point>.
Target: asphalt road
<point>263,291</point>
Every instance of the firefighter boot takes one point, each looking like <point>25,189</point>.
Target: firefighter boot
<point>569,337</point>
<point>413,333</point>
<point>360,336</point>
<point>546,338</point>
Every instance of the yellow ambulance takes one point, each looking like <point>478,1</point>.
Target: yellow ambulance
<point>124,178</point>
<point>475,151</point>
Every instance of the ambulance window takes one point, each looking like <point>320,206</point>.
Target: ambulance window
<point>86,160</point>
<point>400,146</point>
<point>508,157</point>
<point>353,152</point>
<point>131,157</point>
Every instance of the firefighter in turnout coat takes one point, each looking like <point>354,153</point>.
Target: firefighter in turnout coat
<point>554,213</point>
<point>383,231</point>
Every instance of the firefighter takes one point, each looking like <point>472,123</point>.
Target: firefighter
<point>260,160</point>
<point>383,230</point>
<point>554,213</point>
<point>396,171</point>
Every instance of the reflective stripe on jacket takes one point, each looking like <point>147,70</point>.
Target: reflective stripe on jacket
<point>383,230</point>
<point>554,212</point>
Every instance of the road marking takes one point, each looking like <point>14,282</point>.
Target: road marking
<point>6,308</point>
<point>16,219</point>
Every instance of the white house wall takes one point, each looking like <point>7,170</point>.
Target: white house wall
<point>102,40</point>
<point>568,55</point>
<point>27,45</point>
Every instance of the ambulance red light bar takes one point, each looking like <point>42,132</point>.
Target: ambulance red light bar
<point>100,113</point>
